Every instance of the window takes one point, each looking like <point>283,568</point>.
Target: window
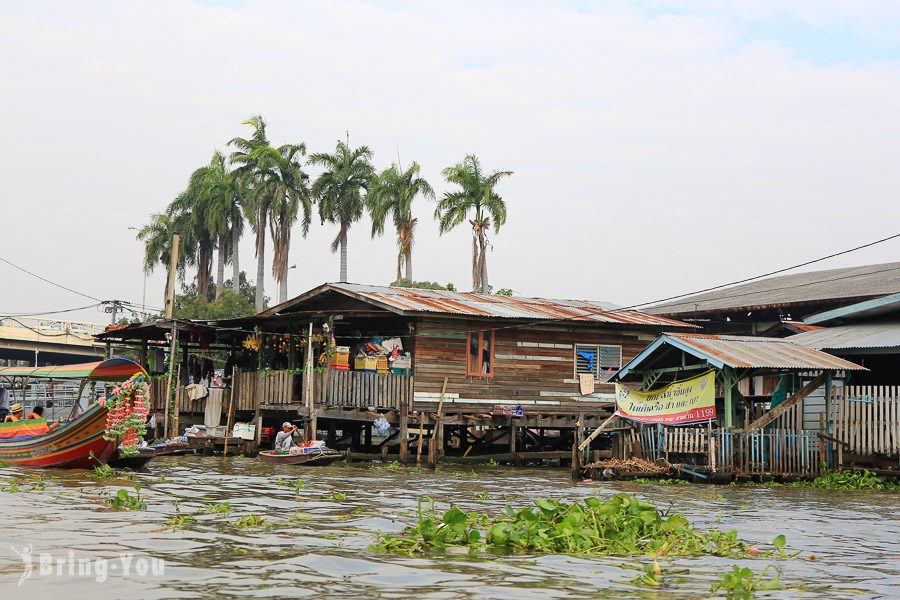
<point>601,361</point>
<point>480,361</point>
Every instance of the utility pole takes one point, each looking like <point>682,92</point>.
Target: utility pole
<point>170,310</point>
<point>113,309</point>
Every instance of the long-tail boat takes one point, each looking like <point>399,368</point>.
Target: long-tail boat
<point>78,443</point>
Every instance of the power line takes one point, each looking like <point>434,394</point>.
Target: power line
<point>769,274</point>
<point>44,279</point>
<point>50,312</point>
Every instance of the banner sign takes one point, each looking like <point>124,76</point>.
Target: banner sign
<point>680,403</point>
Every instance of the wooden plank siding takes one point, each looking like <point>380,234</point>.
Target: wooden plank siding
<point>533,365</point>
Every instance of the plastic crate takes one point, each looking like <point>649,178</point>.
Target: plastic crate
<point>366,363</point>
<point>381,364</point>
<point>399,371</point>
<point>341,359</point>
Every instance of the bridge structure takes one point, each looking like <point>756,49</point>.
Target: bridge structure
<point>39,342</point>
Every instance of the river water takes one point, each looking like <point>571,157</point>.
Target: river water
<point>315,546</point>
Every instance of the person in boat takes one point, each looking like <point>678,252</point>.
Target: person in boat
<point>15,413</point>
<point>38,413</point>
<point>285,438</point>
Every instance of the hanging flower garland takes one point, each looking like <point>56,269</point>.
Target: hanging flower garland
<point>127,409</point>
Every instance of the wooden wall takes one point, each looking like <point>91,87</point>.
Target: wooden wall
<point>533,366</point>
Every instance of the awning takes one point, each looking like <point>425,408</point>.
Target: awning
<point>113,369</point>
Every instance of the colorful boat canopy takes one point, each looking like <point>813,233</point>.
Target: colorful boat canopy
<point>113,369</point>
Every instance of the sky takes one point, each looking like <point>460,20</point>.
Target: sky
<point>658,147</point>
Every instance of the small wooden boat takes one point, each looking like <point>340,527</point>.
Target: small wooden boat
<point>313,458</point>
<point>133,462</point>
<point>78,443</point>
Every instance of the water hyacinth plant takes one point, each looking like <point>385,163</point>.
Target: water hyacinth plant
<point>620,526</point>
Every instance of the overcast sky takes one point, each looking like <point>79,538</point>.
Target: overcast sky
<point>658,147</point>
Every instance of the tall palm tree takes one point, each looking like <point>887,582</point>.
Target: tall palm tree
<point>224,218</point>
<point>284,181</point>
<point>248,154</point>
<point>476,196</point>
<point>340,190</point>
<point>392,194</point>
<point>157,238</point>
<point>189,213</point>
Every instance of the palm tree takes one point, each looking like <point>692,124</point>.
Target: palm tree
<point>476,196</point>
<point>224,218</point>
<point>257,202</point>
<point>392,194</point>
<point>339,190</point>
<point>189,213</point>
<point>157,238</point>
<point>284,181</point>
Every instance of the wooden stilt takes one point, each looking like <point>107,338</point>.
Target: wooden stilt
<point>404,432</point>
<point>228,417</point>
<point>421,436</point>
<point>433,453</point>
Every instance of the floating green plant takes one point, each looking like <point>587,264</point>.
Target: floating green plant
<point>391,466</point>
<point>620,526</point>
<point>465,474</point>
<point>339,496</point>
<point>251,522</point>
<point>122,500</point>
<point>102,472</point>
<point>740,582</point>
<point>222,508</point>
<point>482,495</point>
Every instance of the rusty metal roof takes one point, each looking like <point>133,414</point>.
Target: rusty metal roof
<point>742,352</point>
<point>747,352</point>
<point>415,301</point>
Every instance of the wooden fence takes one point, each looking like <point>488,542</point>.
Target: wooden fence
<point>866,420</point>
<point>776,452</point>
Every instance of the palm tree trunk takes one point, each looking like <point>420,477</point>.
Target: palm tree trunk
<point>409,262</point>
<point>282,284</point>
<point>260,262</point>
<point>476,268</point>
<point>235,265</point>
<point>220,268</point>
<point>203,274</point>
<point>399,265</point>
<point>485,285</point>
<point>343,253</point>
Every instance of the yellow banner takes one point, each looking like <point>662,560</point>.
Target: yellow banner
<point>680,403</point>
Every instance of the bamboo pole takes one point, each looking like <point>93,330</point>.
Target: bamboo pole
<point>228,416</point>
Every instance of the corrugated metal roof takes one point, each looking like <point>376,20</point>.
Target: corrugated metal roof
<point>853,336</point>
<point>746,352</point>
<point>851,283</point>
<point>421,301</point>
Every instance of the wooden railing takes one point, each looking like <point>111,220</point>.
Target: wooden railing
<point>332,388</point>
<point>362,389</point>
<point>866,420</point>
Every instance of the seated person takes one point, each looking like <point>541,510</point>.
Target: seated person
<point>38,413</point>
<point>285,438</point>
<point>15,413</point>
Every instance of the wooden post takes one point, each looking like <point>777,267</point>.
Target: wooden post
<point>421,435</point>
<point>404,432</point>
<point>436,429</point>
<point>228,416</point>
<point>308,387</point>
<point>512,439</point>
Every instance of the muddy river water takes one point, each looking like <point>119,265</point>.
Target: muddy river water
<point>316,541</point>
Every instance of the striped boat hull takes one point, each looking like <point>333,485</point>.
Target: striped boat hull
<point>78,444</point>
